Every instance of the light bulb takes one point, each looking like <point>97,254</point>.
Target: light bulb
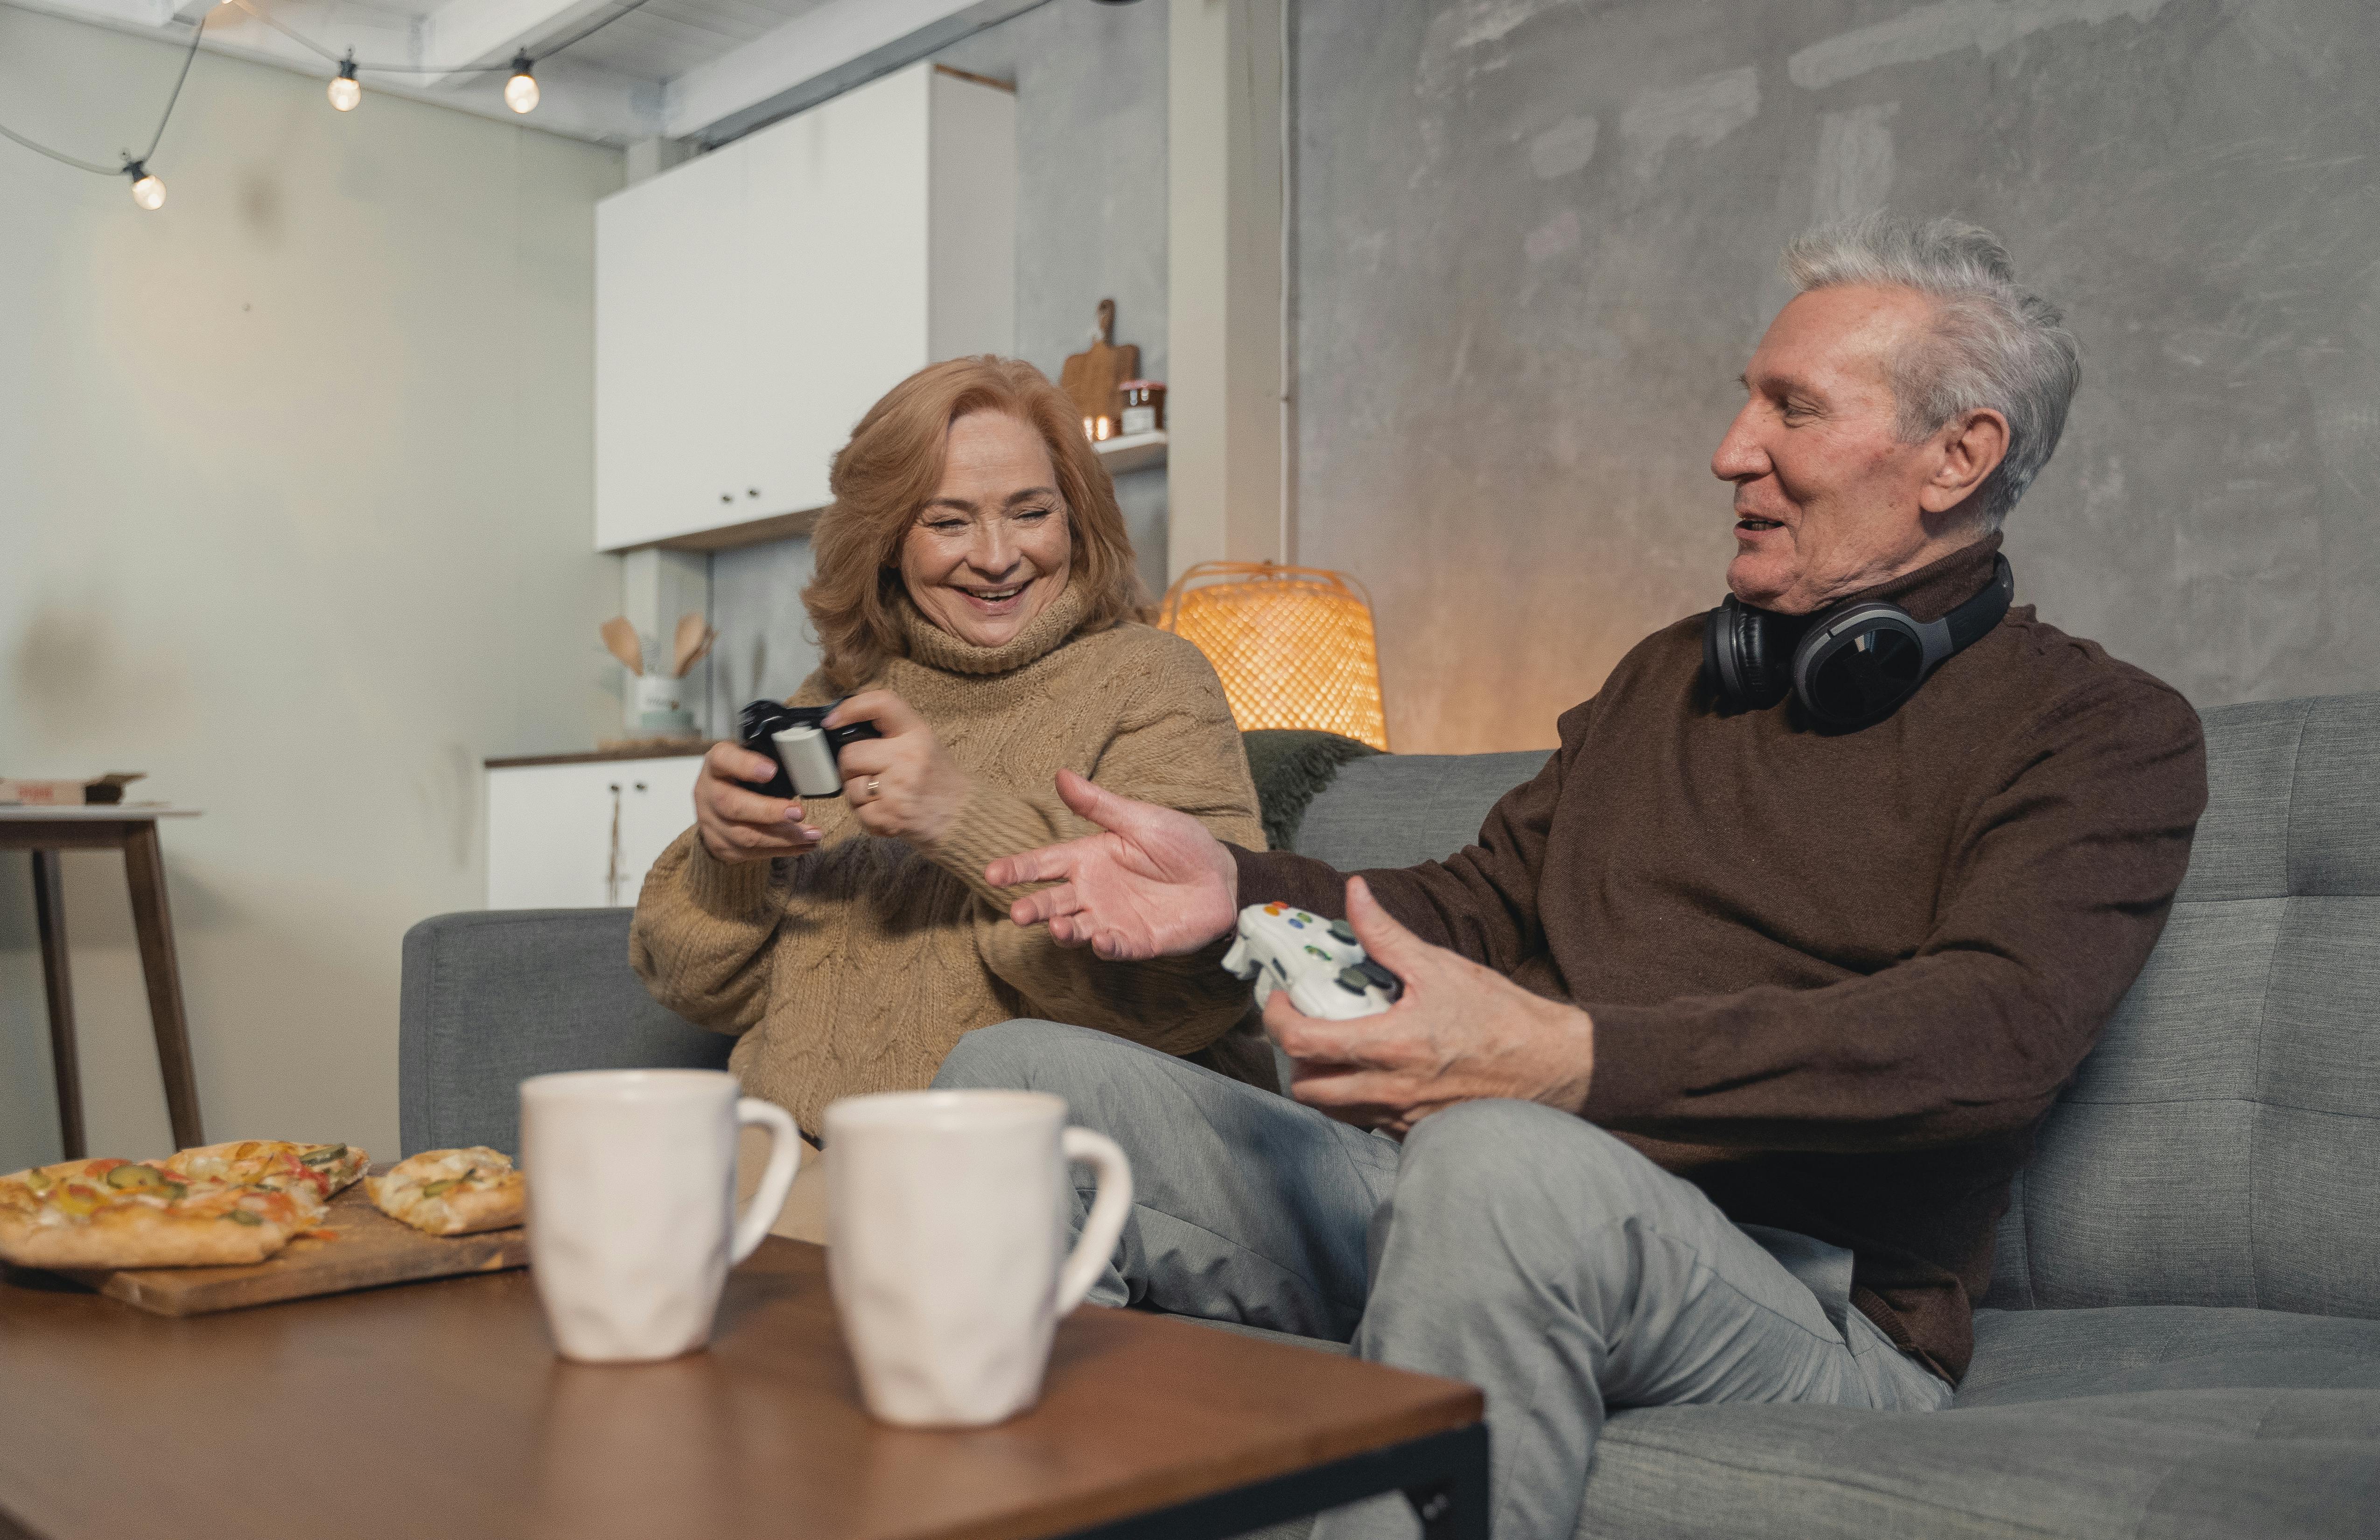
<point>148,189</point>
<point>345,91</point>
<point>520,92</point>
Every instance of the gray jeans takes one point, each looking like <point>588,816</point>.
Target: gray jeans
<point>1504,1244</point>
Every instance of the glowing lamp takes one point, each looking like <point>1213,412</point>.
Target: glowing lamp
<point>345,92</point>
<point>147,188</point>
<point>1293,645</point>
<point>520,92</point>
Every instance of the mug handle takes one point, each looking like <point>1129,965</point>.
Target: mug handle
<point>785,1159</point>
<point>1098,1243</point>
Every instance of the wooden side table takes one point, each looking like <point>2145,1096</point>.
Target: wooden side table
<point>132,830</point>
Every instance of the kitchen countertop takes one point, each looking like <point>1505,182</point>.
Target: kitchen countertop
<point>653,749</point>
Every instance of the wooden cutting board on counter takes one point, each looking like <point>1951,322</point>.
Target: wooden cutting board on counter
<point>1091,378</point>
<point>371,1250</point>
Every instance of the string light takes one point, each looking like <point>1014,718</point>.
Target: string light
<point>520,92</point>
<point>147,188</point>
<point>345,92</point>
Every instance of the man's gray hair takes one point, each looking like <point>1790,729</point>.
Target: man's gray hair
<point>1993,343</point>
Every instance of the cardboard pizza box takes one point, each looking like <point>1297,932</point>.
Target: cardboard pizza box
<point>106,791</point>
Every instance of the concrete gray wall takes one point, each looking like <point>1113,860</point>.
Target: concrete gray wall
<point>1536,241</point>
<point>1091,225</point>
<point>295,494</point>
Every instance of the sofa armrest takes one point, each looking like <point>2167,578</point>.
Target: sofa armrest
<point>490,999</point>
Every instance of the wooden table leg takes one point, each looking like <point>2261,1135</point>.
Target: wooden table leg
<point>50,915</point>
<point>144,873</point>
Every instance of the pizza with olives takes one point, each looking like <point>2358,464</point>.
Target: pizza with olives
<point>452,1192</point>
<point>275,1163</point>
<point>109,1213</point>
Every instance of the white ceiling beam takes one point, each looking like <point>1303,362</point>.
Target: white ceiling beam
<point>465,32</point>
<point>579,101</point>
<point>123,16</point>
<point>820,54</point>
<point>233,31</point>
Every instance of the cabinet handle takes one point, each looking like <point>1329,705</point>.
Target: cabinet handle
<point>751,491</point>
<point>726,497</point>
<point>641,785</point>
<point>611,869</point>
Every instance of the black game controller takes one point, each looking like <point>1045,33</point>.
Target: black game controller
<point>807,753</point>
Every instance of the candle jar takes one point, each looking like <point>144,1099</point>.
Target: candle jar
<point>1144,406</point>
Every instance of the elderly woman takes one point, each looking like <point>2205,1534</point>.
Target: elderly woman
<point>975,599</point>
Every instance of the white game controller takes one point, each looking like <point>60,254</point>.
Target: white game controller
<point>1318,960</point>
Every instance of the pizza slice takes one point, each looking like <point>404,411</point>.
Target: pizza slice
<point>273,1163</point>
<point>453,1191</point>
<point>108,1214</point>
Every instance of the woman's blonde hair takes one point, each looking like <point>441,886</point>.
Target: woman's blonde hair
<point>893,463</point>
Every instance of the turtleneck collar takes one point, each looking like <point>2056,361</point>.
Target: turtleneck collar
<point>1938,587</point>
<point>930,645</point>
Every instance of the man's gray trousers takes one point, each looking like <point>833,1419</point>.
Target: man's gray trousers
<point>1504,1244</point>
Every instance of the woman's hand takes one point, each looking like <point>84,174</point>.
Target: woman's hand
<point>735,821</point>
<point>901,784</point>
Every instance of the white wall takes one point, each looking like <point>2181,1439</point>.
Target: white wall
<point>295,516</point>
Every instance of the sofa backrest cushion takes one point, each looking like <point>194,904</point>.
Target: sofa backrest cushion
<point>2222,1145</point>
<point>492,998</point>
<point>1402,809</point>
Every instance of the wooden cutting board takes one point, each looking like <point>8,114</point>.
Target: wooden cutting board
<point>1091,378</point>
<point>371,1249</point>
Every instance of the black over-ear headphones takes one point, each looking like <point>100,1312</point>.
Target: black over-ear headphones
<point>1852,665</point>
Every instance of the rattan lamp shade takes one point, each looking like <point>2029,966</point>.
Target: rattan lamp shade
<point>1293,645</point>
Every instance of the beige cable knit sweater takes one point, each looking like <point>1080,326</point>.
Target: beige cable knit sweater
<point>855,968</point>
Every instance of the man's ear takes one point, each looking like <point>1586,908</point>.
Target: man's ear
<point>1968,448</point>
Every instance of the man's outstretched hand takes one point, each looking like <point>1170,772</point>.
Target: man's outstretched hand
<point>1458,1032</point>
<point>1153,884</point>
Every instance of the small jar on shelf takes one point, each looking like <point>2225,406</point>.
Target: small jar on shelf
<point>1144,406</point>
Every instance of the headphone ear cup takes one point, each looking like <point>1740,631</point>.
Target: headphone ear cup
<point>1739,656</point>
<point>1849,675</point>
<point>1765,677</point>
<point>1716,678</point>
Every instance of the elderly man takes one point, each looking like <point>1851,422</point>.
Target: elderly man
<point>1717,1053</point>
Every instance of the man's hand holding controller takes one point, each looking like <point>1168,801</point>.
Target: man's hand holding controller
<point>1154,883</point>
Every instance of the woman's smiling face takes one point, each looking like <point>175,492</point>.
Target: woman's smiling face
<point>994,543</point>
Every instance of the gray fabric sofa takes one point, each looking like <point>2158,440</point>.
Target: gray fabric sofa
<point>2182,1335</point>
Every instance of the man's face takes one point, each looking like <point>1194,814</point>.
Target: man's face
<point>1827,496</point>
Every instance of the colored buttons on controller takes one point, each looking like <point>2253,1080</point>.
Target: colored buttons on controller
<point>1343,932</point>
<point>1313,951</point>
<point>1275,908</point>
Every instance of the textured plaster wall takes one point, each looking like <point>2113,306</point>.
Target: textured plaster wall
<point>294,492</point>
<point>1091,197</point>
<point>1536,240</point>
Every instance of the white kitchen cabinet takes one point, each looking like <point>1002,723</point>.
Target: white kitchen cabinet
<point>751,304</point>
<point>582,835</point>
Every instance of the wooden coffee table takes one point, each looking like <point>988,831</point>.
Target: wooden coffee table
<point>440,1409</point>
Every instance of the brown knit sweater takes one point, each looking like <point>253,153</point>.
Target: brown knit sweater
<point>855,968</point>
<point>1837,978</point>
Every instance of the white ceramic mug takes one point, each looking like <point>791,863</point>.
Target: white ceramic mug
<point>632,1220</point>
<point>947,1223</point>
